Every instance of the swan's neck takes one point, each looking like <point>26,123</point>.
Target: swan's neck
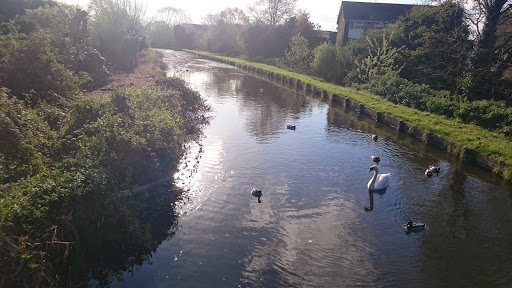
<point>372,181</point>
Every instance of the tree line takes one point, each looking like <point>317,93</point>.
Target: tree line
<point>68,196</point>
<point>443,58</point>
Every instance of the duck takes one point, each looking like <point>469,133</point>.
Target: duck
<point>375,159</point>
<point>261,90</point>
<point>428,173</point>
<point>434,169</point>
<point>256,193</point>
<point>378,181</point>
<point>375,137</point>
<point>410,226</point>
<point>291,127</point>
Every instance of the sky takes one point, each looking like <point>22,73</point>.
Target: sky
<point>323,12</point>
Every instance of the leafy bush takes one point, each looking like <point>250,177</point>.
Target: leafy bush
<point>117,30</point>
<point>26,141</point>
<point>31,63</point>
<point>299,57</point>
<point>88,187</point>
<point>381,60</point>
<point>442,105</point>
<point>326,63</point>
<point>485,113</point>
<point>400,91</point>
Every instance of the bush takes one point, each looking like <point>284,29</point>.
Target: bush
<point>442,105</point>
<point>326,63</point>
<point>400,91</point>
<point>489,114</point>
<point>298,58</point>
<point>26,141</point>
<point>31,63</point>
<point>86,196</point>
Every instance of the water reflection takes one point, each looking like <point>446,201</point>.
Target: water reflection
<point>309,229</point>
<point>128,238</point>
<point>370,194</point>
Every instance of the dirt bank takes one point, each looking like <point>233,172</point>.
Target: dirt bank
<point>148,70</point>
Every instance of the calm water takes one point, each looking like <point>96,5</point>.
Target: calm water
<point>311,228</point>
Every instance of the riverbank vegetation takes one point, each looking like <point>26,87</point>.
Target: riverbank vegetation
<point>432,59</point>
<point>467,136</point>
<point>78,173</point>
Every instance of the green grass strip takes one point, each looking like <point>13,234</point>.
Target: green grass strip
<point>491,144</point>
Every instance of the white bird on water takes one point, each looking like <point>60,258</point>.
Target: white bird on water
<point>378,181</point>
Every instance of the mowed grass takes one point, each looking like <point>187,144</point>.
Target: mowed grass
<point>491,144</point>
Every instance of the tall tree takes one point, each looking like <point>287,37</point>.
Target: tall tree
<point>436,39</point>
<point>223,31</point>
<point>235,16</point>
<point>307,29</point>
<point>299,57</point>
<point>11,8</point>
<point>172,16</point>
<point>491,57</point>
<point>117,28</point>
<point>273,12</point>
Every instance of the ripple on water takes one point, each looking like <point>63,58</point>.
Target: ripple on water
<point>311,228</point>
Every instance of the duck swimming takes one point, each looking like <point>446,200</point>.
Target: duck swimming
<point>256,193</point>
<point>375,159</point>
<point>434,169</point>
<point>410,226</point>
<point>375,137</point>
<point>428,173</point>
<point>378,181</point>
<point>291,127</point>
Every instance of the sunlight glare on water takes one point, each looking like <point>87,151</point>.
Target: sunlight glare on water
<point>317,225</point>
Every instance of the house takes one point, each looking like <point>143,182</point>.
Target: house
<point>329,36</point>
<point>355,17</point>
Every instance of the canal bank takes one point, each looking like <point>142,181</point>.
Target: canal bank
<point>317,225</point>
<point>487,149</point>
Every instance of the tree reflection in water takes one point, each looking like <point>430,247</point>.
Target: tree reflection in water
<point>131,230</point>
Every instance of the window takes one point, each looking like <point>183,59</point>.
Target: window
<point>355,29</point>
<point>356,25</point>
<point>378,25</point>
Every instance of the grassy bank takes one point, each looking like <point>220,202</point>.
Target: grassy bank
<point>494,146</point>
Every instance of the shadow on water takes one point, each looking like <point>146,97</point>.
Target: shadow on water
<point>129,231</point>
<point>309,230</point>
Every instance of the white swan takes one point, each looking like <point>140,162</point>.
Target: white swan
<point>378,181</point>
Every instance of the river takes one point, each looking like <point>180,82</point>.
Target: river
<point>317,225</point>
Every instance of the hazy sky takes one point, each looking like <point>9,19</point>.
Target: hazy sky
<point>323,12</point>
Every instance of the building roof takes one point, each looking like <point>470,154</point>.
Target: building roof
<point>367,11</point>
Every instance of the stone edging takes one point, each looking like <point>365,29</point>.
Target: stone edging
<point>463,152</point>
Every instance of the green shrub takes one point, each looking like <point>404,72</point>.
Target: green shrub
<point>32,64</point>
<point>441,105</point>
<point>26,140</point>
<point>485,113</point>
<point>400,91</point>
<point>326,64</point>
<point>299,57</point>
<point>86,196</point>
